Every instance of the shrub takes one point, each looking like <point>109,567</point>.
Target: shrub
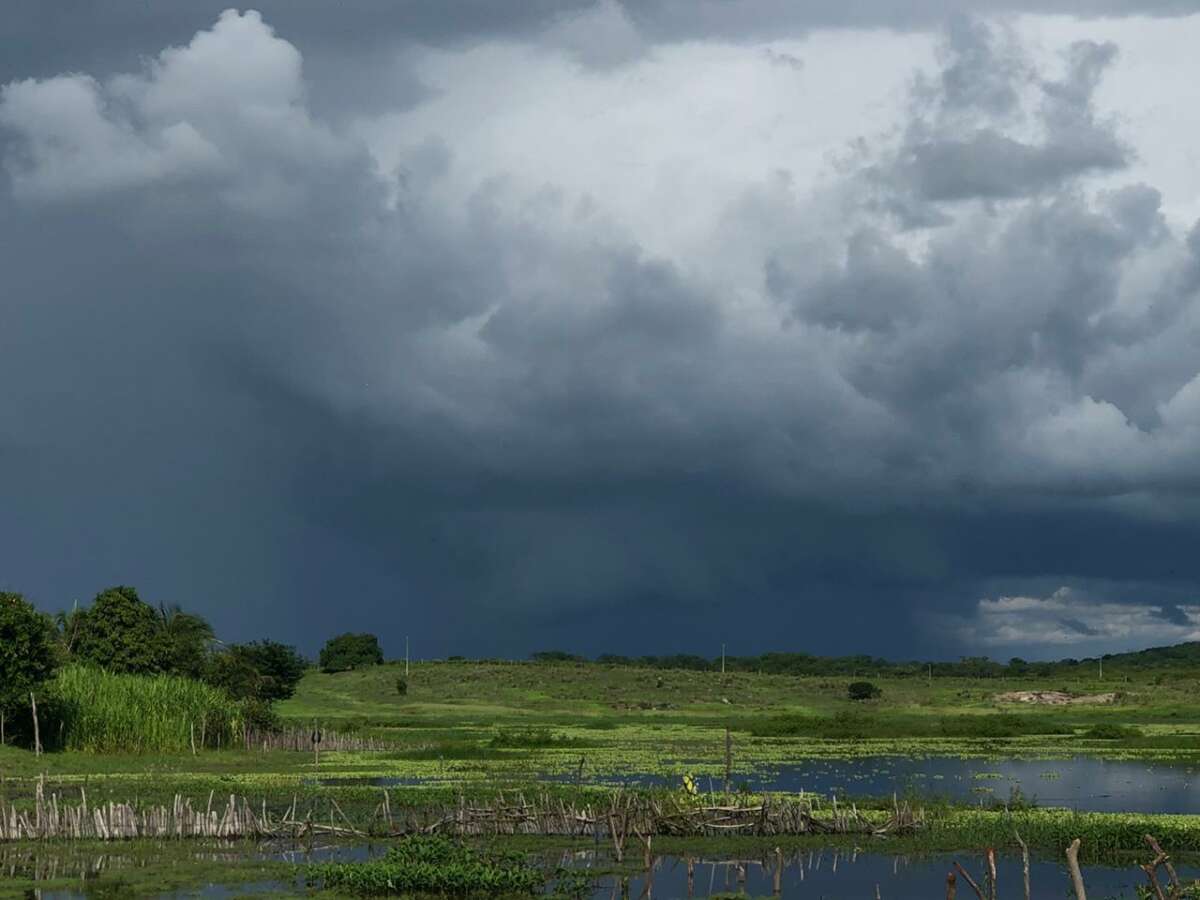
<point>1111,731</point>
<point>863,690</point>
<point>350,651</point>
<point>402,686</point>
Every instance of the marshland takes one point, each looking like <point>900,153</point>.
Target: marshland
<point>135,744</point>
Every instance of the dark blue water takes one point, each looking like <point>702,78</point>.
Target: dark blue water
<point>809,874</point>
<point>830,874</point>
<point>1082,783</point>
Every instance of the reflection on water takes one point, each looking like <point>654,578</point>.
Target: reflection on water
<point>832,873</point>
<point>1082,783</point>
<point>828,873</point>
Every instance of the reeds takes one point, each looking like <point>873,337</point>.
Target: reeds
<point>615,817</point>
<point>103,712</point>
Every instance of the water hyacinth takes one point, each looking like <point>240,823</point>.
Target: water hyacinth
<point>103,712</point>
<point>433,864</point>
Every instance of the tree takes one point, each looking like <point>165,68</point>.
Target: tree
<point>185,640</point>
<point>261,670</point>
<point>27,652</point>
<point>234,673</point>
<point>120,632</point>
<point>350,651</point>
<point>863,690</point>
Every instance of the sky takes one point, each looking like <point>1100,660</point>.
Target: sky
<point>633,326</point>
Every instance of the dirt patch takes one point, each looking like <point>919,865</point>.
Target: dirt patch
<point>1056,698</point>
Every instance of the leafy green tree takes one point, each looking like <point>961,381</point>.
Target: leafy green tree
<point>235,673</point>
<point>350,651</point>
<point>120,632</point>
<point>262,670</point>
<point>184,639</point>
<point>27,652</point>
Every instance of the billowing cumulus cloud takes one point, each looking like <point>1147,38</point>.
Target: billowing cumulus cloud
<point>1068,621</point>
<point>554,331</point>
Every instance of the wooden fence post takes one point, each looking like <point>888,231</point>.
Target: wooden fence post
<point>1073,866</point>
<point>728,760</point>
<point>37,736</point>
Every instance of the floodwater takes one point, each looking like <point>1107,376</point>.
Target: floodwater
<point>1081,783</point>
<point>833,874</point>
<point>811,874</point>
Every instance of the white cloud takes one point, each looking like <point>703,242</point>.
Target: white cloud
<point>1069,618</point>
<point>226,109</point>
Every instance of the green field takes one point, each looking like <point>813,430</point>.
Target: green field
<point>472,728</point>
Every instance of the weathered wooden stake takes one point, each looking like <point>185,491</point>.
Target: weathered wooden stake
<point>991,864</point>
<point>37,736</point>
<point>728,760</point>
<point>971,881</point>
<point>1073,867</point>
<point>951,886</point>
<point>1024,861</point>
<point>777,887</point>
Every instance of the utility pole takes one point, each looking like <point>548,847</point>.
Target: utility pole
<point>406,656</point>
<point>1102,668</point>
<point>931,674</point>
<point>722,661</point>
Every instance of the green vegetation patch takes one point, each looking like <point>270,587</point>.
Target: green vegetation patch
<point>435,865</point>
<point>104,712</point>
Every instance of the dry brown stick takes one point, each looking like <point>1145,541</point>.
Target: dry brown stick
<point>971,881</point>
<point>991,864</point>
<point>1024,861</point>
<point>1151,873</point>
<point>1073,866</point>
<point>951,886</point>
<point>1166,861</point>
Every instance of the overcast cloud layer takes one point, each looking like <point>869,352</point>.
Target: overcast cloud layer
<point>508,330</point>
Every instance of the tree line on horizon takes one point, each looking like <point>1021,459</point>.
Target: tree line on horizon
<point>780,663</point>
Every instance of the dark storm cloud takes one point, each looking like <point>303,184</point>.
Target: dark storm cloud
<point>102,36</point>
<point>262,378</point>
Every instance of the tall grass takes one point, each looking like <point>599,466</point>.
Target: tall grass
<point>103,712</point>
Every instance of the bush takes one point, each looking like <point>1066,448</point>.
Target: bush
<point>863,690</point>
<point>350,651</point>
<point>1111,731</point>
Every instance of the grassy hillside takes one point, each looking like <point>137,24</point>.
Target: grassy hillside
<point>588,693</point>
